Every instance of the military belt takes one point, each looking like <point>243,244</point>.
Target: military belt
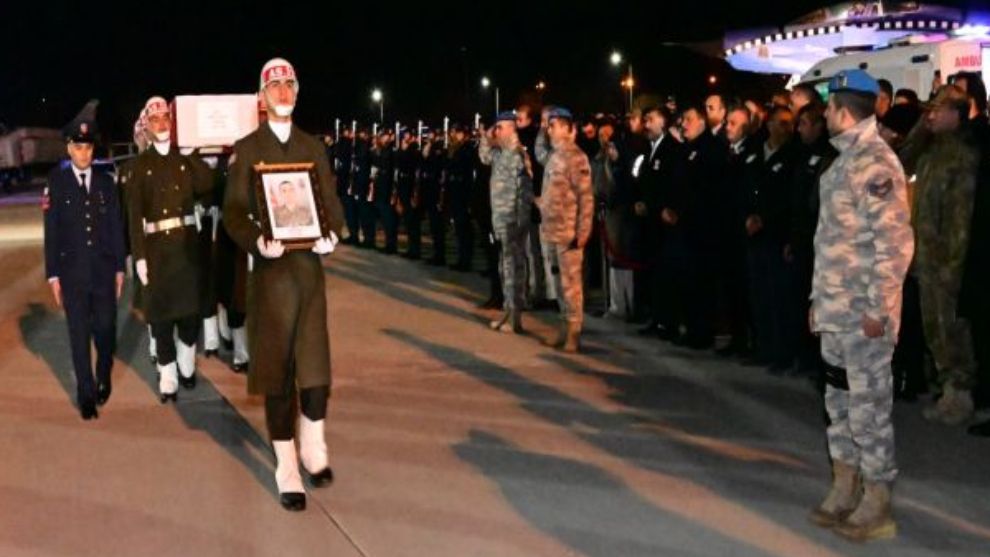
<point>168,224</point>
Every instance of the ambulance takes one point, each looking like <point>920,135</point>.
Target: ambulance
<point>913,63</point>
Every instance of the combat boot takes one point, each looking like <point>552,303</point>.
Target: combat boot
<point>497,324</point>
<point>841,499</point>
<point>572,341</point>
<point>955,407</point>
<point>559,337</point>
<point>515,319</point>
<point>872,519</point>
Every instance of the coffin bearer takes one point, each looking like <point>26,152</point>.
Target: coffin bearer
<point>84,262</point>
<point>286,304</point>
<point>161,198</point>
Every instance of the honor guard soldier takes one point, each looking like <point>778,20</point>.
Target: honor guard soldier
<point>165,247</point>
<point>287,306</point>
<point>84,262</point>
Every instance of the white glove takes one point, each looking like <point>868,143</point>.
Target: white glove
<point>325,246</point>
<point>270,250</point>
<point>186,151</point>
<point>142,271</point>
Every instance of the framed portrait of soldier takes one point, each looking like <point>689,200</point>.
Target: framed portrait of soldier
<point>290,205</point>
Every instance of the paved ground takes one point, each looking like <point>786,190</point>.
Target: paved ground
<point>447,440</point>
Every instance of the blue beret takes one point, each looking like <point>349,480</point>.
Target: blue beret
<point>558,112</point>
<point>506,116</point>
<point>857,81</point>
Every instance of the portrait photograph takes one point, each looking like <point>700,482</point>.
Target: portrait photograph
<point>292,211</point>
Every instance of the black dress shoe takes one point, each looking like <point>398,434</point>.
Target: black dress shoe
<point>239,368</point>
<point>650,330</point>
<point>188,382</point>
<point>102,393</point>
<point>320,479</point>
<point>211,353</point>
<point>292,501</point>
<point>980,430</point>
<point>88,411</point>
<point>165,397</point>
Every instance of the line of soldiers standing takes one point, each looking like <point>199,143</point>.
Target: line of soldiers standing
<point>478,181</point>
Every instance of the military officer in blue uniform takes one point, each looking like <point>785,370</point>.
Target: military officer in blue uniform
<point>84,262</point>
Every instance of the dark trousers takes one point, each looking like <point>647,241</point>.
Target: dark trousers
<point>188,332</point>
<point>91,317</point>
<point>368,217</point>
<point>438,232</point>
<point>281,410</point>
<point>464,232</point>
<point>413,221</point>
<point>699,287</point>
<point>235,319</point>
<point>351,216</point>
<point>390,222</point>
<point>808,344</point>
<point>909,356</point>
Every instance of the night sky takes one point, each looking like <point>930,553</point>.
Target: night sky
<point>427,57</point>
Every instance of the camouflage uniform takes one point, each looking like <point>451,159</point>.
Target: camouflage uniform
<point>511,199</point>
<point>567,206</point>
<point>946,184</point>
<point>863,246</point>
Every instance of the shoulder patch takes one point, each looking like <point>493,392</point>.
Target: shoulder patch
<point>881,189</point>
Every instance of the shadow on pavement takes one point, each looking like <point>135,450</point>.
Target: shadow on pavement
<point>203,408</point>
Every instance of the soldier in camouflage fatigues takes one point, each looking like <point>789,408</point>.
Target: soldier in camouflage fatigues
<point>567,207</point>
<point>511,199</point>
<point>863,246</point>
<point>946,185</point>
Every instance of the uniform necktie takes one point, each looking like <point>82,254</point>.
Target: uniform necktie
<point>82,182</point>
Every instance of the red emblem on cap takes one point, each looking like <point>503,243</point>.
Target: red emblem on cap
<point>279,72</point>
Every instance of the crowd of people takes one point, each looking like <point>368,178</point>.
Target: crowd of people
<point>813,233</point>
<point>704,222</point>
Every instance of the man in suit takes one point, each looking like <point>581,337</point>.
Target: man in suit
<point>659,174</point>
<point>84,262</point>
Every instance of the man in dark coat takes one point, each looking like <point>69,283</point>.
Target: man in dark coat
<point>287,309</point>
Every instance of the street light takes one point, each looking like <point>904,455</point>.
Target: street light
<point>541,86</point>
<point>376,96</point>
<point>485,84</point>
<point>628,83</point>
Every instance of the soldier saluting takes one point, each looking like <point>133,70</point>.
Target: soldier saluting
<point>162,221</point>
<point>511,200</point>
<point>286,305</point>
<point>84,263</point>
